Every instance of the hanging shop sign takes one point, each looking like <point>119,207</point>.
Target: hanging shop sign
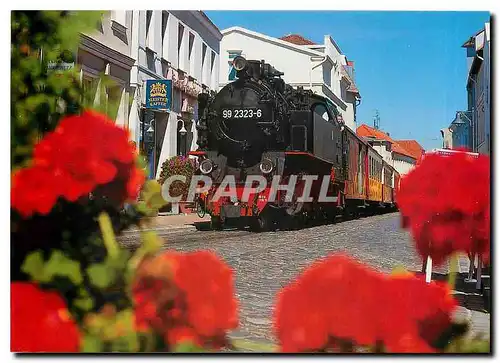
<point>159,94</point>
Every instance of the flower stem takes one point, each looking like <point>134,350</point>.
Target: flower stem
<point>108,236</point>
<point>452,276</point>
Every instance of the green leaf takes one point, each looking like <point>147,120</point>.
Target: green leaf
<point>84,301</point>
<point>187,347</point>
<point>120,260</point>
<point>151,243</point>
<point>101,275</point>
<point>91,344</point>
<point>60,265</point>
<point>156,201</point>
<point>141,161</point>
<point>142,208</point>
<point>33,265</point>
<point>108,235</point>
<point>151,193</point>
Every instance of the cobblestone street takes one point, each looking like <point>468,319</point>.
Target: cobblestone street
<point>264,262</point>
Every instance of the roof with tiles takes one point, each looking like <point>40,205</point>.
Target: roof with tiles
<point>413,147</point>
<point>297,39</point>
<point>369,132</point>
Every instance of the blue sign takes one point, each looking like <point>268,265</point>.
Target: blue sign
<point>159,94</point>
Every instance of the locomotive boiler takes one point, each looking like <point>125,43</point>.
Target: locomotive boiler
<point>259,125</point>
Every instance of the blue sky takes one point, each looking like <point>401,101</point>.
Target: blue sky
<point>409,65</point>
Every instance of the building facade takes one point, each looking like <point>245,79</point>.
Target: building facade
<point>176,55</point>
<point>319,67</point>
<point>478,89</point>
<point>460,129</point>
<point>447,138</point>
<point>107,52</point>
<point>173,55</point>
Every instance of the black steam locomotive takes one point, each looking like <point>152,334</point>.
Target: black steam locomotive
<point>259,125</point>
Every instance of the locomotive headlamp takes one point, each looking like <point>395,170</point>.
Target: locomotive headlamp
<point>239,63</point>
<point>206,166</point>
<point>266,166</point>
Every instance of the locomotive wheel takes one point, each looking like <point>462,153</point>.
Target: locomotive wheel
<point>262,223</point>
<point>216,223</point>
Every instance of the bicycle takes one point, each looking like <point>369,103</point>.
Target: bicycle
<point>200,207</point>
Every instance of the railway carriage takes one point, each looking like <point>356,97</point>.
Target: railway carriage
<point>374,166</point>
<point>388,176</point>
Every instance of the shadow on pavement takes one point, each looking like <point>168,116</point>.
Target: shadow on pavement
<point>202,226</point>
<point>465,293</point>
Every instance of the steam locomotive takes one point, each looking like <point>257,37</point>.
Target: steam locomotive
<point>259,125</point>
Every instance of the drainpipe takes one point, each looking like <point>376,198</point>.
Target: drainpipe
<point>323,60</point>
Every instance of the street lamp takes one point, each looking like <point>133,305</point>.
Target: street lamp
<point>150,128</point>
<point>183,130</point>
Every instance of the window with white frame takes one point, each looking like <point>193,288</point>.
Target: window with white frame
<point>190,52</point>
<point>119,17</point>
<point>203,59</point>
<point>232,71</point>
<point>149,16</point>
<point>164,23</point>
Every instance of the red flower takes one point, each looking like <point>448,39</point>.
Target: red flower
<point>192,298</point>
<point>329,300</point>
<point>33,191</point>
<point>83,153</point>
<point>445,202</point>
<point>339,298</point>
<point>419,312</point>
<point>40,321</point>
<point>182,334</point>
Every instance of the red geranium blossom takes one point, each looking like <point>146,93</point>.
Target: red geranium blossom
<point>201,306</point>
<point>419,313</point>
<point>445,202</point>
<point>339,298</point>
<point>40,321</point>
<point>82,153</point>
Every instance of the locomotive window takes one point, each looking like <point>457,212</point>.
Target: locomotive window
<point>320,111</point>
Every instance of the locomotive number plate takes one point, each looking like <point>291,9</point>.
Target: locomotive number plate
<point>242,113</point>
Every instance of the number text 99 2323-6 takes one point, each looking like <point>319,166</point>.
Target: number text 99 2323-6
<point>242,113</point>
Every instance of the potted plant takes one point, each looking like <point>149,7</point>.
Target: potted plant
<point>178,165</point>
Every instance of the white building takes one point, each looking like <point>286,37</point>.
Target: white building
<point>182,46</point>
<point>320,67</point>
<point>107,51</point>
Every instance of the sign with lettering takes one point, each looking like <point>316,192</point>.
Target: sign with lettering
<point>62,66</point>
<point>159,94</point>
